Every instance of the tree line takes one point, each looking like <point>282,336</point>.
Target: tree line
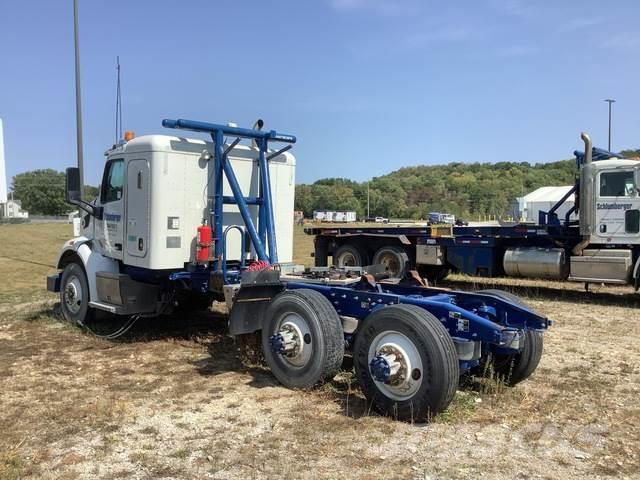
<point>467,190</point>
<point>463,189</point>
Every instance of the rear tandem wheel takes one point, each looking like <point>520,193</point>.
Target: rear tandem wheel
<point>516,367</point>
<point>406,362</point>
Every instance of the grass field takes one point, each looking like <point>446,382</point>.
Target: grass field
<point>175,400</point>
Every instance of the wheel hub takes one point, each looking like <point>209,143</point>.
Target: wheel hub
<point>292,340</point>
<point>395,365</point>
<point>286,341</point>
<point>73,294</point>
<point>389,366</point>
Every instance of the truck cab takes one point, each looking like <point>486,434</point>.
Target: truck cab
<point>616,201</point>
<point>153,197</point>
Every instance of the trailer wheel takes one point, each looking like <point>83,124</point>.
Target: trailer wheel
<point>394,259</point>
<point>515,368</point>
<point>74,294</point>
<point>406,362</point>
<point>348,255</point>
<point>302,338</point>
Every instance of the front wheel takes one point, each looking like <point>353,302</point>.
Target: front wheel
<point>406,362</point>
<point>302,338</point>
<point>74,294</point>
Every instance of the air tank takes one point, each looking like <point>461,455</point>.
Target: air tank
<point>536,262</point>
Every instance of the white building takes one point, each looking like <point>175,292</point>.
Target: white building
<point>12,209</point>
<point>543,199</point>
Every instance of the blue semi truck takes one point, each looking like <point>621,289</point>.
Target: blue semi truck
<point>601,246</point>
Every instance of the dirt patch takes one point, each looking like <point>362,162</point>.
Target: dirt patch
<point>183,405</point>
<point>175,400</point>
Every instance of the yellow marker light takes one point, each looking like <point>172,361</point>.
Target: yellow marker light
<point>129,135</point>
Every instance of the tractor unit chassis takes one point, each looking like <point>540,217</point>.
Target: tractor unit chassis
<point>410,344</point>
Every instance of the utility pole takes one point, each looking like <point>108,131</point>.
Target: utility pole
<point>368,213</point>
<point>78,99</point>
<point>609,101</point>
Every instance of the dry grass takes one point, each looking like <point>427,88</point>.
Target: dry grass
<point>176,401</point>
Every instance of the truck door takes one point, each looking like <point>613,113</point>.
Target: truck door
<point>109,230</point>
<point>137,207</point>
<point>618,206</point>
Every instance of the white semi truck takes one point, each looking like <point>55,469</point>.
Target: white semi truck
<point>184,221</point>
<point>601,246</point>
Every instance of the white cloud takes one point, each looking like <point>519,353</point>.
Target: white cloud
<point>441,35</point>
<point>348,4</point>
<point>580,23</point>
<point>515,51</point>
<point>621,40</point>
<point>382,7</point>
<point>515,8</point>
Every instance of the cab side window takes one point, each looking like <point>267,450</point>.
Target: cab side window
<point>112,181</point>
<point>617,184</point>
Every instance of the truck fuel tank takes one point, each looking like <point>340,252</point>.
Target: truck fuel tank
<point>536,262</point>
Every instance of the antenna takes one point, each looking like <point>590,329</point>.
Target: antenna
<point>118,104</point>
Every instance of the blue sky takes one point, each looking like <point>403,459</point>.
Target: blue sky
<point>367,86</point>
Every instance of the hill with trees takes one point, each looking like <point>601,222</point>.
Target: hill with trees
<point>467,190</point>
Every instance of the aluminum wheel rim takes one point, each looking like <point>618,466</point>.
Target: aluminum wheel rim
<point>73,294</point>
<point>347,259</point>
<point>392,340</point>
<point>390,262</point>
<point>299,326</point>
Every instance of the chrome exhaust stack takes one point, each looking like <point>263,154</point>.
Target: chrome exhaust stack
<point>585,195</point>
<point>587,147</point>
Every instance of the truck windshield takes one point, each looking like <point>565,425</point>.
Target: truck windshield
<point>617,184</point>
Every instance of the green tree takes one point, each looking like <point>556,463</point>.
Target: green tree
<point>41,192</point>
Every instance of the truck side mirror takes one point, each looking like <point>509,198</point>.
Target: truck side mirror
<point>73,190</point>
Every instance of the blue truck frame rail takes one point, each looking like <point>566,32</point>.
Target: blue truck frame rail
<point>468,317</point>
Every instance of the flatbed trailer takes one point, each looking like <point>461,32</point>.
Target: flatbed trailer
<point>602,246</point>
<point>473,250</point>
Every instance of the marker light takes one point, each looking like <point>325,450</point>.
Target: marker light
<point>129,135</point>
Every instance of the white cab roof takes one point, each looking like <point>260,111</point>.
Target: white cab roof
<point>170,143</point>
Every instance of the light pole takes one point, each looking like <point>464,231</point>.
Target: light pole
<point>76,42</point>
<point>368,213</point>
<point>609,101</point>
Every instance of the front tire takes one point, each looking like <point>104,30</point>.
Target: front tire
<point>74,294</point>
<point>302,339</point>
<point>406,362</point>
